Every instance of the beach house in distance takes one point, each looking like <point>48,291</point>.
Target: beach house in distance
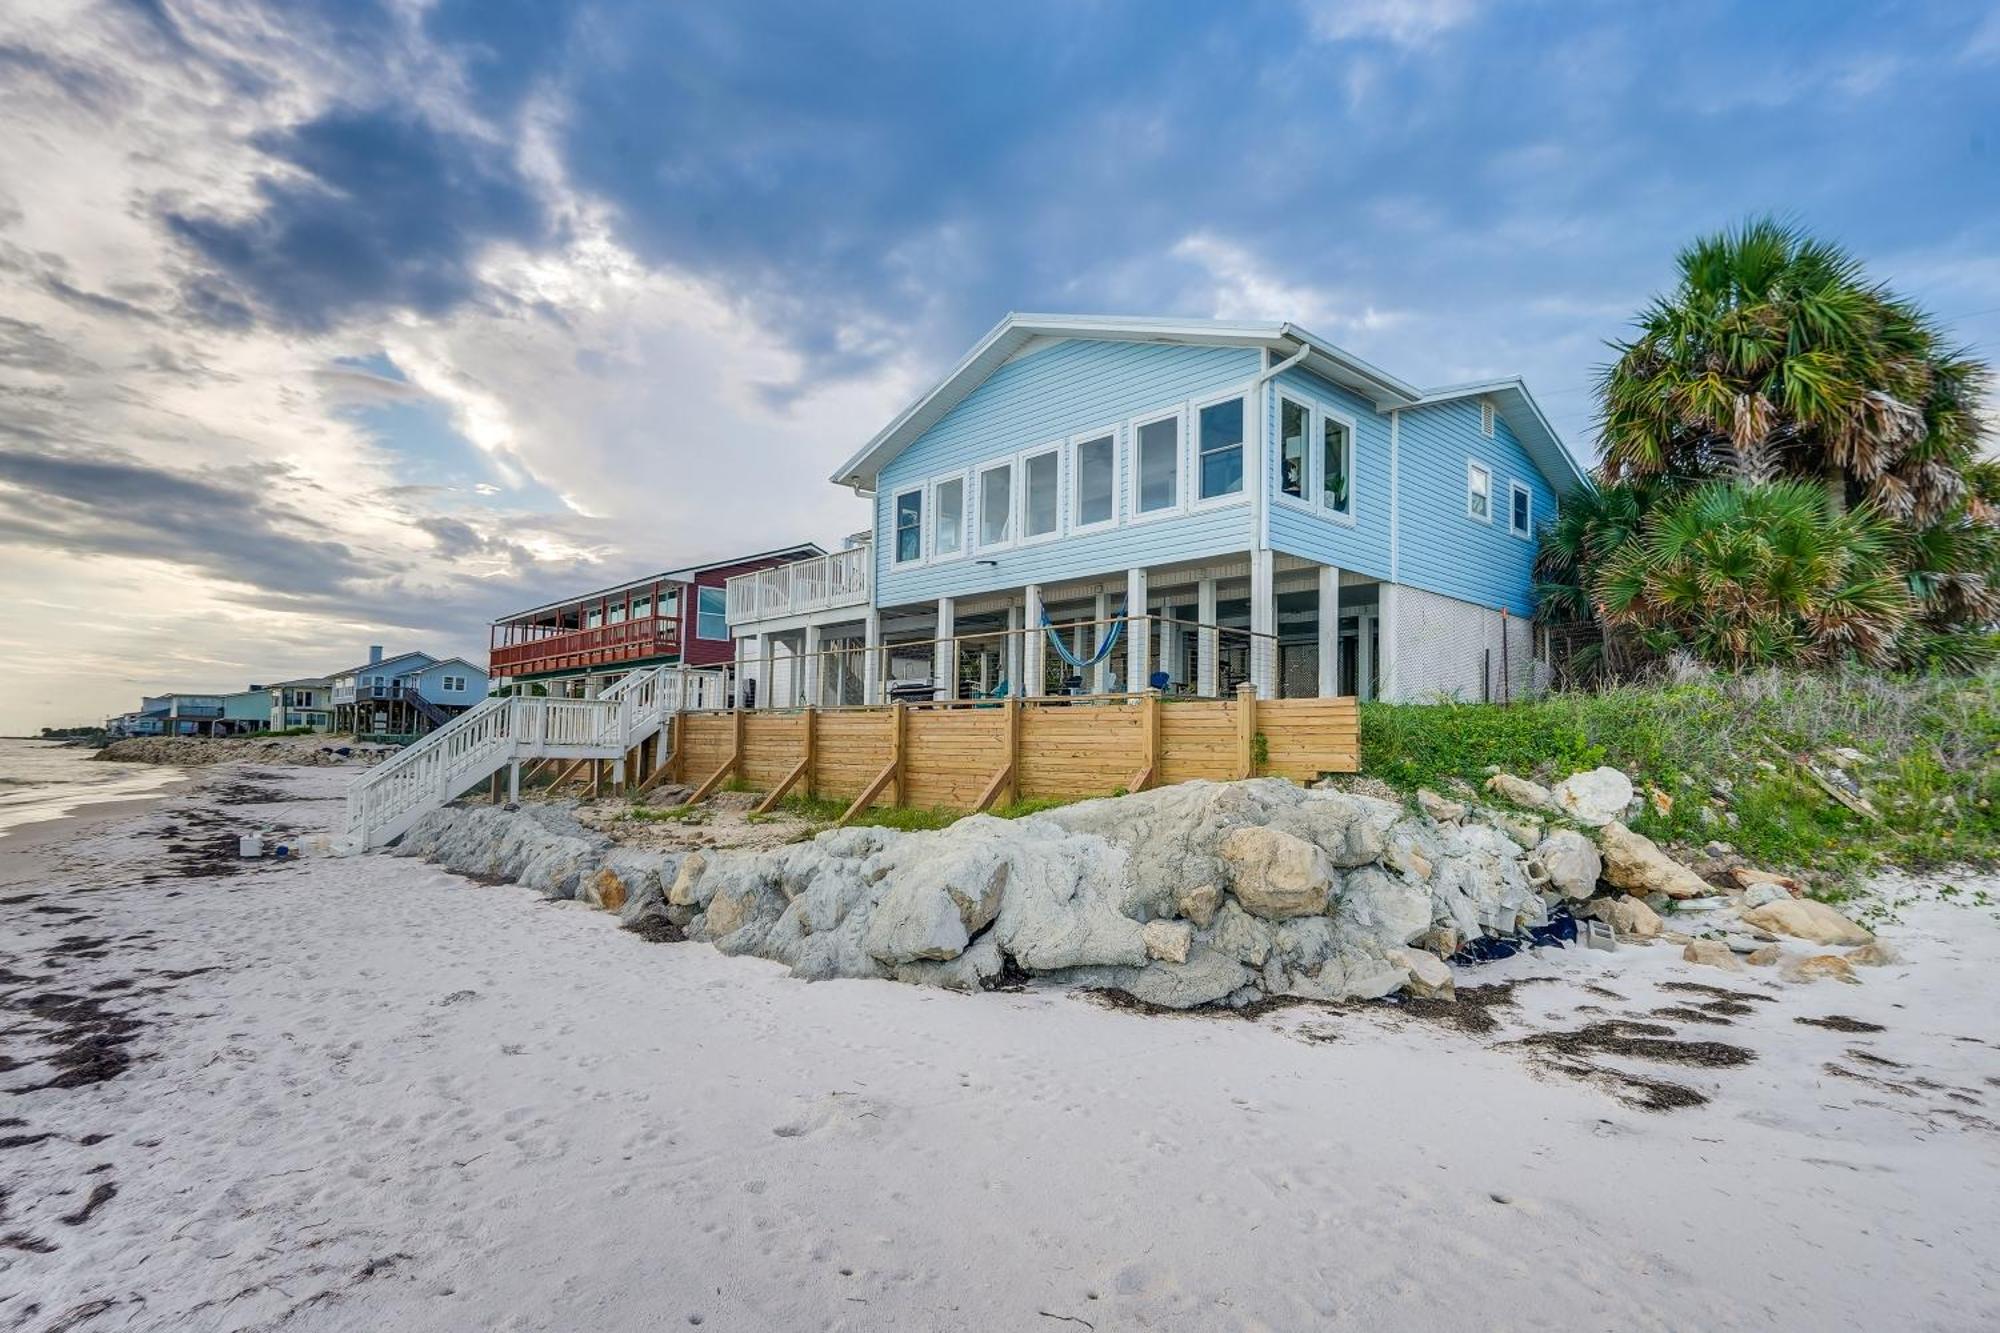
<point>577,646</point>
<point>405,695</point>
<point>1258,506</point>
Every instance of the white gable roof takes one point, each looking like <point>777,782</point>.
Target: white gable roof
<point>1018,331</point>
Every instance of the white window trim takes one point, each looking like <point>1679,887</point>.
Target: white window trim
<point>978,534</point>
<point>1319,413</point>
<point>1515,488</point>
<point>1076,442</point>
<point>1304,502</point>
<point>1353,425</point>
<point>1179,416</point>
<point>724,611</point>
<point>1192,450</point>
<point>1473,467</point>
<point>922,491</point>
<point>933,509</point>
<point>1021,537</point>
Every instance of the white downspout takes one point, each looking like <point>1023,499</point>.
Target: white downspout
<point>1260,499</point>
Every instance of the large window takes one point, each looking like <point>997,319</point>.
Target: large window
<point>1520,510</point>
<point>1478,493</point>
<point>1041,501</point>
<point>948,517</point>
<point>1094,479</point>
<point>909,527</point>
<point>1336,466</point>
<point>996,505</point>
<point>711,613</point>
<point>1294,426</point>
<point>1159,464</point>
<point>1219,438</point>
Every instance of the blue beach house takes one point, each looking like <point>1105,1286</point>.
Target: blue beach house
<point>1091,504</point>
<point>404,695</point>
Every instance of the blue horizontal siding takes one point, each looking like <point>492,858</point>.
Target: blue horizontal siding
<point>1362,546</point>
<point>430,683</point>
<point>1045,397</point>
<point>1440,547</point>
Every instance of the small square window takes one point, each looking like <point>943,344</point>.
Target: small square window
<point>1520,510</point>
<point>1478,493</point>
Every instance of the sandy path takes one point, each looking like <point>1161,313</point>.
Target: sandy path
<point>402,1101</point>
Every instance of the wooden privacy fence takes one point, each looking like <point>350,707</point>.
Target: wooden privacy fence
<point>967,756</point>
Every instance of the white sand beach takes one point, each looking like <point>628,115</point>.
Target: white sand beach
<point>367,1094</point>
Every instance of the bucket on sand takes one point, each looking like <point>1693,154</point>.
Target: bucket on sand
<point>250,845</point>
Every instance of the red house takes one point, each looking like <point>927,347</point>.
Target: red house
<point>577,645</point>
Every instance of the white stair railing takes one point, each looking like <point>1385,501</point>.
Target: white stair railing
<point>386,800</point>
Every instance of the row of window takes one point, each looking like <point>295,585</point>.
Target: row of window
<point>711,612</point>
<point>1021,500</point>
<point>1479,500</point>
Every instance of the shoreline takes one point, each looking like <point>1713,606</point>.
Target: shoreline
<point>86,815</point>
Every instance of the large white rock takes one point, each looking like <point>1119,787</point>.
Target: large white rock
<point>1168,941</point>
<point>1378,906</point>
<point>1805,919</point>
<point>1634,862</point>
<point>1595,798</point>
<point>1430,975</point>
<point>1629,916</point>
<point>1569,862</point>
<point>1519,791</point>
<point>1276,874</point>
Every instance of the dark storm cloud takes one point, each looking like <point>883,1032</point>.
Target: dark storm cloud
<point>379,211</point>
<point>221,522</point>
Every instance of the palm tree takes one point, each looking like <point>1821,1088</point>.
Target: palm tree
<point>1775,356</point>
<point>1750,575</point>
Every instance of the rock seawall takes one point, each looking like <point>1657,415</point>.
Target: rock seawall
<point>1199,893</point>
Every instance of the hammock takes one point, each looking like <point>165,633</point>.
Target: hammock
<point>1103,649</point>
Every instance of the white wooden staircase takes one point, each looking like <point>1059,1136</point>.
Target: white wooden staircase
<point>472,747</point>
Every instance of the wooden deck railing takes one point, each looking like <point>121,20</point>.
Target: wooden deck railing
<point>602,645</point>
<point>970,755</point>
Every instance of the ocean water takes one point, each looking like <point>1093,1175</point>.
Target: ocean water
<point>40,781</point>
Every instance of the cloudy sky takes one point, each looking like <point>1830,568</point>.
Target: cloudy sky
<point>361,321</point>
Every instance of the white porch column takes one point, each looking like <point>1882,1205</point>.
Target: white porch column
<point>1329,631</point>
<point>761,645</point>
<point>1170,642</point>
<point>813,673</point>
<point>1263,625</point>
<point>1011,653</point>
<point>871,657</point>
<point>1138,631</point>
<point>1034,644</point>
<point>1100,675</point>
<point>1389,622</point>
<point>1205,639</point>
<point>944,653</point>
<point>590,687</point>
<point>1364,656</point>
